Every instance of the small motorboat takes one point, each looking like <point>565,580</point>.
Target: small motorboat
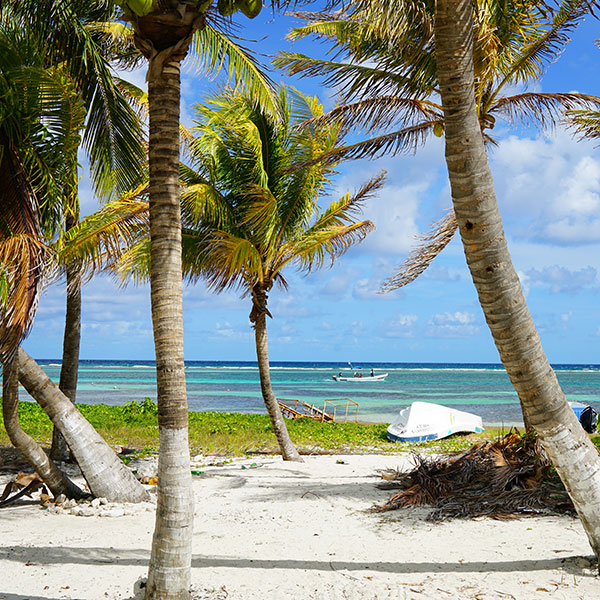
<point>361,378</point>
<point>423,421</point>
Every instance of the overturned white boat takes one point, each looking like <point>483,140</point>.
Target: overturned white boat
<point>422,421</point>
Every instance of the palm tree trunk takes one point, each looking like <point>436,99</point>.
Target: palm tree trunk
<point>106,476</point>
<point>169,574</point>
<point>55,479</point>
<point>259,317</point>
<point>71,341</point>
<point>574,456</point>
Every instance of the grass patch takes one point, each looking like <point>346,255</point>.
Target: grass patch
<point>135,426</point>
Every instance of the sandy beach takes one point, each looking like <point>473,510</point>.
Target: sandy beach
<point>268,529</point>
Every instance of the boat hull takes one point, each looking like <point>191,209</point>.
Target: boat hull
<point>361,379</point>
<point>425,421</point>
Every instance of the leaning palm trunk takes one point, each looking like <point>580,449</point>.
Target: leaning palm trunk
<point>105,474</point>
<point>574,456</point>
<point>55,479</point>
<point>259,317</point>
<point>169,573</point>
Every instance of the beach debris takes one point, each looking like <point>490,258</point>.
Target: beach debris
<point>25,484</point>
<point>509,477</point>
<point>139,587</point>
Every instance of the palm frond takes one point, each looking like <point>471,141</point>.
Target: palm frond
<point>261,217</point>
<point>585,122</point>
<point>99,240</point>
<point>333,231</point>
<point>356,80</point>
<point>544,109</point>
<point>234,263</point>
<point>419,259</point>
<point>405,141</point>
<point>545,45</point>
<point>343,211</point>
<point>202,204</point>
<point>22,252</point>
<point>211,49</point>
<point>309,253</point>
<point>378,113</point>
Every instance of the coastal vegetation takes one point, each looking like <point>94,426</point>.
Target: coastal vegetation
<point>135,426</point>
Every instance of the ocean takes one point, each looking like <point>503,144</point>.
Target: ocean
<point>483,389</point>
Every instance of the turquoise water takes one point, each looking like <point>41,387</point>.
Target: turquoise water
<point>219,386</point>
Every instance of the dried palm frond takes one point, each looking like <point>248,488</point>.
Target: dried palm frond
<point>506,478</point>
<point>22,254</point>
<point>422,256</point>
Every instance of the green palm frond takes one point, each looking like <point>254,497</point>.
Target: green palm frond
<point>113,137</point>
<point>310,253</point>
<point>405,141</point>
<point>133,264</point>
<point>234,263</point>
<point>261,217</point>
<point>98,241</point>
<point>373,114</point>
<point>333,231</point>
<point>354,79</point>
<point>585,122</point>
<point>201,203</point>
<point>343,211</point>
<point>545,44</point>
<point>212,48</point>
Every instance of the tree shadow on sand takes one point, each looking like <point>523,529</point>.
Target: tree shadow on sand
<point>139,558</point>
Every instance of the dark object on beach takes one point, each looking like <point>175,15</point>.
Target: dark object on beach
<point>586,415</point>
<point>588,419</point>
<point>24,485</point>
<point>506,478</point>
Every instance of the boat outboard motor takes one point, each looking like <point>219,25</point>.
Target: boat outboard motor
<point>587,418</point>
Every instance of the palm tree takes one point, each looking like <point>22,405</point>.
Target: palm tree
<point>394,95</point>
<point>390,90</point>
<point>164,31</point>
<point>65,105</point>
<point>93,113</point>
<point>574,456</point>
<point>248,211</point>
<point>38,141</point>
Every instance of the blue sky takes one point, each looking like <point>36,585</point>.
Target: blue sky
<point>548,188</point>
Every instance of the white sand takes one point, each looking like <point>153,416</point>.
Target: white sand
<point>301,531</point>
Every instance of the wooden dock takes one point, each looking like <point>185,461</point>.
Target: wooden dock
<point>298,409</point>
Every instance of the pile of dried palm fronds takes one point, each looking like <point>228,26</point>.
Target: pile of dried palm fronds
<point>509,477</point>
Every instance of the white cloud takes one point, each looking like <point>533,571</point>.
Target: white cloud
<point>562,280</point>
<point>549,188</point>
<point>453,325</point>
<point>226,330</point>
<point>400,326</point>
<point>394,214</point>
<point>566,317</point>
<point>525,283</point>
